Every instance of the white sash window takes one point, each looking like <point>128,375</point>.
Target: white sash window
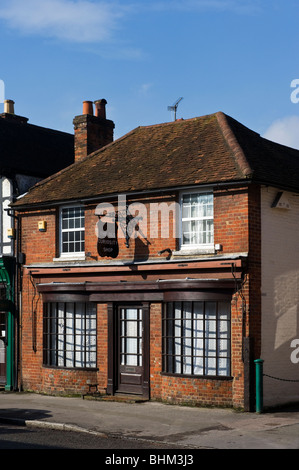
<point>197,229</point>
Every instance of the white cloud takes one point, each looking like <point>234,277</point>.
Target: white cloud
<point>284,131</point>
<point>89,21</point>
<point>82,21</point>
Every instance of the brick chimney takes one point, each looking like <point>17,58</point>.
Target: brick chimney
<point>92,130</point>
<point>9,113</point>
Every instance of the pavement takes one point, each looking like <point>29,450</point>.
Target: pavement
<point>150,421</point>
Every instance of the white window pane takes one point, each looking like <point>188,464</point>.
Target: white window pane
<point>223,366</point>
<point>200,232</point>
<point>91,358</point>
<point>223,329</point>
<point>177,346</point>
<point>186,213</point>
<point>198,366</point>
<point>209,227</point>
<point>69,362</point>
<point>122,355</point>
<point>187,342</point>
<point>90,325</point>
<point>177,329</point>
<point>198,347</point>
<point>210,366</point>
<point>132,313</point>
<point>131,360</point>
<point>131,328</point>
<point>194,207</point>
<point>60,334</point>
<point>223,346</point>
<point>177,365</point>
<point>131,344</point>
<point>210,347</point>
<point>187,368</point>
<point>210,327</point>
<point>187,235</point>
<point>198,329</point>
<point>209,210</point>
<point>187,314</point>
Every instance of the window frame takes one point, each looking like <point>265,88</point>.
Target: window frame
<point>70,254</point>
<point>196,246</point>
<point>53,333</point>
<point>169,354</point>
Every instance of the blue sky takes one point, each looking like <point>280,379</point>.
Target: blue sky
<point>235,56</point>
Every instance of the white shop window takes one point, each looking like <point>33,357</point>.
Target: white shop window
<point>196,338</point>
<point>70,334</point>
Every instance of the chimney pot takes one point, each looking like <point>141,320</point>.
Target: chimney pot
<point>100,108</point>
<point>9,106</point>
<point>87,107</point>
<point>92,132</point>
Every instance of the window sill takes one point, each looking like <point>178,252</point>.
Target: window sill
<point>194,251</point>
<point>88,369</point>
<point>70,258</point>
<point>202,377</point>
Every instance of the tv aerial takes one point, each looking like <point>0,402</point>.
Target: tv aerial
<point>174,107</point>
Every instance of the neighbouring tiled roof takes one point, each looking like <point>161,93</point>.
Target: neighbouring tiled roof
<point>32,150</point>
<point>209,149</point>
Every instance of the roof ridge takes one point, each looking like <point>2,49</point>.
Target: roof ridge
<point>170,123</point>
<point>177,121</point>
<point>234,145</point>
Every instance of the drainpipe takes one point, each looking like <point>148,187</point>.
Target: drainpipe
<point>259,384</point>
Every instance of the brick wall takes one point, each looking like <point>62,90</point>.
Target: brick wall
<point>231,219</point>
<point>231,229</point>
<point>39,246</point>
<point>231,211</point>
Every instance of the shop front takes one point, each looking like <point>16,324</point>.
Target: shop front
<point>158,331</point>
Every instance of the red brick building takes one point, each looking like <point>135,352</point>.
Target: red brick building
<point>143,261</point>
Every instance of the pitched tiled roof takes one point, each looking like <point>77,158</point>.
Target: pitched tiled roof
<point>32,150</point>
<point>204,150</point>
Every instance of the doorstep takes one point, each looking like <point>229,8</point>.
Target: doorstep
<point>122,398</point>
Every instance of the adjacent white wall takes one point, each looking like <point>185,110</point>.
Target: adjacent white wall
<point>23,183</point>
<point>280,297</point>
<point>7,222</point>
